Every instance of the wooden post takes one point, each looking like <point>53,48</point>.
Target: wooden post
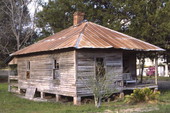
<point>58,97</point>
<point>121,95</point>
<point>142,68</point>
<point>42,95</point>
<point>19,90</point>
<point>9,87</point>
<point>156,70</point>
<point>77,100</point>
<point>155,90</point>
<point>166,70</point>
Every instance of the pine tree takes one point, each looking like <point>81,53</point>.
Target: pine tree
<point>147,20</point>
<point>58,14</point>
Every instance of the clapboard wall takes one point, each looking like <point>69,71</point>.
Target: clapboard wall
<point>41,73</point>
<point>86,67</point>
<point>75,67</point>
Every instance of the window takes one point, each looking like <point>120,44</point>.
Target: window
<point>100,70</point>
<point>56,65</point>
<point>55,69</point>
<point>28,66</point>
<point>28,70</point>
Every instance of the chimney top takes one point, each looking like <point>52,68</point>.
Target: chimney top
<point>77,18</point>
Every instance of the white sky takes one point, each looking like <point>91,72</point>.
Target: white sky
<point>34,5</point>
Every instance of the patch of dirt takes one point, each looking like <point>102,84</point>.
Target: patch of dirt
<point>133,110</point>
<point>108,111</point>
<point>137,110</point>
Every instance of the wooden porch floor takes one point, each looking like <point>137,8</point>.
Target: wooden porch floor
<point>140,86</point>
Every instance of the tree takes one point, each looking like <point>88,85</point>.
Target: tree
<point>167,46</point>
<point>141,19</point>
<point>20,23</point>
<point>102,85</point>
<point>147,20</point>
<point>58,14</point>
<point>17,26</point>
<point>7,41</point>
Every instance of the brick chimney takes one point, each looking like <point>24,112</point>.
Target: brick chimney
<point>77,18</point>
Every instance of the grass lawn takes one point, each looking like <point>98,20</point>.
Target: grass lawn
<point>9,103</point>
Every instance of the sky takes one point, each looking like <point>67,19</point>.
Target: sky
<point>34,5</point>
<point>32,8</point>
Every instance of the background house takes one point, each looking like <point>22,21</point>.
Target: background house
<point>162,66</point>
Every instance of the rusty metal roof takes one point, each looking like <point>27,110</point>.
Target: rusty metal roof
<point>88,35</point>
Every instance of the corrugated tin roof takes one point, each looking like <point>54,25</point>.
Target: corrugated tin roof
<point>88,35</point>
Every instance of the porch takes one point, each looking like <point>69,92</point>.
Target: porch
<point>130,83</point>
<point>130,79</point>
<point>140,86</point>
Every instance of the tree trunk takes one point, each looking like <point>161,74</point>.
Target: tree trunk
<point>156,70</point>
<point>139,66</point>
<point>97,101</point>
<point>18,43</point>
<point>142,68</point>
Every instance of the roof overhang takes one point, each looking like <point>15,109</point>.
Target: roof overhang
<point>13,61</point>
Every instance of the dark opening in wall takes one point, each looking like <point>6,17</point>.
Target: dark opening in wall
<point>13,81</point>
<point>22,91</point>
<point>66,99</point>
<point>49,96</point>
<point>37,94</point>
<point>87,99</point>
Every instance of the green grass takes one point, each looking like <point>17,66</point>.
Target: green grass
<point>164,78</point>
<point>164,103</point>
<point>9,103</point>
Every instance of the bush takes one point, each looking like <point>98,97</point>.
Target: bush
<point>142,95</point>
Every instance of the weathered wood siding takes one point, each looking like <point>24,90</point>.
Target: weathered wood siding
<point>86,67</point>
<point>41,73</point>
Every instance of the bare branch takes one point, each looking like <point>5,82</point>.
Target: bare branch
<point>21,23</point>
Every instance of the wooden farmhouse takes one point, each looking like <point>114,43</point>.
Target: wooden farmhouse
<point>55,64</point>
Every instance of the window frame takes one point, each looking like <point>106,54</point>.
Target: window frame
<point>56,68</point>
<point>28,67</point>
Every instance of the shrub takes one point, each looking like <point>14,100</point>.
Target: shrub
<point>142,95</point>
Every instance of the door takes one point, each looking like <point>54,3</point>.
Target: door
<point>100,67</point>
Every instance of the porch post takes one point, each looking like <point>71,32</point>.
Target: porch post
<point>166,70</point>
<point>156,70</point>
<point>9,87</point>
